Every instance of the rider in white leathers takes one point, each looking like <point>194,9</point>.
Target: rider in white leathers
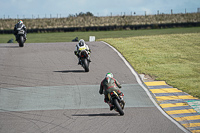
<point>81,46</point>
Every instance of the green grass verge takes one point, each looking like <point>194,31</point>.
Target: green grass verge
<point>69,36</point>
<point>173,58</point>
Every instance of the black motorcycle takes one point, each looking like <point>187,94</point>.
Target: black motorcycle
<point>117,101</point>
<point>84,59</point>
<point>21,37</point>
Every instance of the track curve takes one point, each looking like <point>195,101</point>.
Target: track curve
<point>42,89</point>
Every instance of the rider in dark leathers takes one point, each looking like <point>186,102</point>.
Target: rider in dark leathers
<point>18,27</point>
<point>108,85</point>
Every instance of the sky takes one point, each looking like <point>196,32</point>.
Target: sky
<point>62,8</point>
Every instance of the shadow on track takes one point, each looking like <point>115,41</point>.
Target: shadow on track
<point>103,114</point>
<point>71,71</point>
<point>9,47</point>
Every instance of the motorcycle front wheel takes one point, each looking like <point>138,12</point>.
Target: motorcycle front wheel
<point>21,41</point>
<point>86,65</point>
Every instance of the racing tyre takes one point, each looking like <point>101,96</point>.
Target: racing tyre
<point>118,107</point>
<point>86,65</point>
<point>21,41</point>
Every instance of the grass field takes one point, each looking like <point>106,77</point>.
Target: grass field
<point>69,36</point>
<point>171,55</point>
<point>174,58</point>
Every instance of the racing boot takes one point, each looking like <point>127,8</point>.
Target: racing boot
<point>111,106</point>
<point>106,100</point>
<point>79,62</point>
<point>15,37</point>
<point>25,37</point>
<point>89,59</point>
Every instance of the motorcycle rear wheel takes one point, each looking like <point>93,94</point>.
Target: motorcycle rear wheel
<point>118,107</point>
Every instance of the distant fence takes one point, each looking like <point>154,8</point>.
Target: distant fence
<point>101,14</point>
<point>109,28</point>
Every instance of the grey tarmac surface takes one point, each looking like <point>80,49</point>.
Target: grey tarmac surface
<point>42,90</point>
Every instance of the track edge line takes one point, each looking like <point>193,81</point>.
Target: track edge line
<point>140,82</point>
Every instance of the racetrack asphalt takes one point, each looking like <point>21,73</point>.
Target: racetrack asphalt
<point>42,90</point>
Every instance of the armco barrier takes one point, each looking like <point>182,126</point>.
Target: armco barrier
<point>108,28</point>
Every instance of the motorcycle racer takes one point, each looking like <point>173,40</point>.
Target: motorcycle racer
<point>108,85</point>
<point>18,27</point>
<point>81,46</point>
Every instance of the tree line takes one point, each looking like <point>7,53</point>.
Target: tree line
<point>81,14</point>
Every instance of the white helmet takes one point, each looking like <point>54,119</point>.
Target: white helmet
<point>81,42</point>
<point>20,21</point>
<point>109,75</point>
